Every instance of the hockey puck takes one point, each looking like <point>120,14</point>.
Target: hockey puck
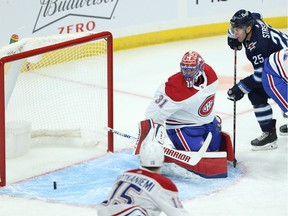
<point>54,185</point>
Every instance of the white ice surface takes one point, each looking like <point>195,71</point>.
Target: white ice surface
<point>262,191</point>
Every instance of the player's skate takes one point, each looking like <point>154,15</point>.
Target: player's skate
<point>284,130</point>
<point>266,141</point>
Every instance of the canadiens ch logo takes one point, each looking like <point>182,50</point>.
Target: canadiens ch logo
<point>207,106</point>
<point>252,46</point>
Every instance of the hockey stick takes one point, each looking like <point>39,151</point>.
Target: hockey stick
<point>183,157</point>
<point>234,108</point>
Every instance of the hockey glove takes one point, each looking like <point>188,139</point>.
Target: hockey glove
<point>235,93</point>
<point>232,41</point>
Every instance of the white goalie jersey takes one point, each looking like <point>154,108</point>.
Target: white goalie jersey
<point>143,193</point>
<point>179,106</point>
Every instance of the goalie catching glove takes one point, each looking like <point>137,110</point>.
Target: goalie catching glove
<point>149,131</point>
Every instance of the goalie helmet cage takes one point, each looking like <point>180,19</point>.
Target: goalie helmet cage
<point>60,49</point>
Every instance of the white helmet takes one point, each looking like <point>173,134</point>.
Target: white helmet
<point>151,154</point>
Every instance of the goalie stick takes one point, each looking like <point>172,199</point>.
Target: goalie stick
<point>183,157</point>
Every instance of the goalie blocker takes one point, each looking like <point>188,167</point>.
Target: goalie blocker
<point>212,164</point>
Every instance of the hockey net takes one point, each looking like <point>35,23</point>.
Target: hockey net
<point>62,85</point>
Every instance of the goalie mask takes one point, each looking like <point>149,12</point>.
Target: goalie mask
<point>151,154</point>
<point>192,67</point>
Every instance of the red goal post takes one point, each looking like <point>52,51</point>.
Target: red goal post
<point>55,63</point>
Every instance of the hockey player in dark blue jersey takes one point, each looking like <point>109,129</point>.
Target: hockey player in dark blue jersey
<point>260,40</point>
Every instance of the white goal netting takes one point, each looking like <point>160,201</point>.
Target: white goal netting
<point>62,93</point>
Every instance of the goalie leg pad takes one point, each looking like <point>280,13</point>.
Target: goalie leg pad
<point>149,131</point>
<point>146,133</point>
<point>159,133</point>
<point>227,146</point>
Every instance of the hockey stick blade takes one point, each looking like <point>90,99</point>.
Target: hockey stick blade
<point>186,157</point>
